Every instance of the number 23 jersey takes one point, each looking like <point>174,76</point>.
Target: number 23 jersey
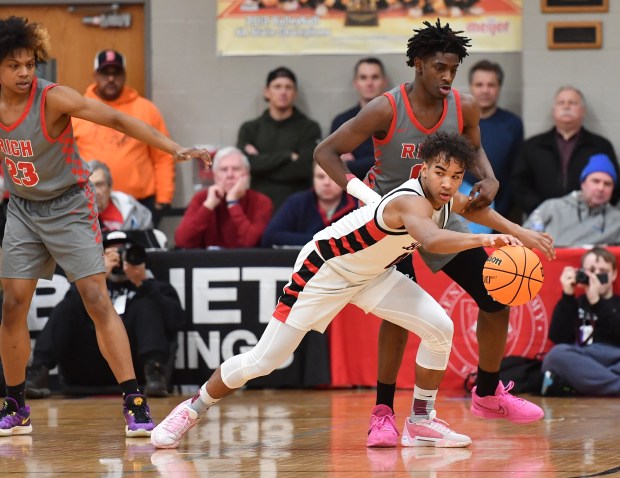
<point>36,166</point>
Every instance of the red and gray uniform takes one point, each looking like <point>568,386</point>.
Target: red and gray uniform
<point>397,155</point>
<point>52,216</point>
<point>36,166</point>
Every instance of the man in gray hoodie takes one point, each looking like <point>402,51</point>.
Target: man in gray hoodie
<point>585,216</point>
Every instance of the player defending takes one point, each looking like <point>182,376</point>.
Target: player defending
<point>351,262</point>
<point>52,216</point>
<point>399,121</point>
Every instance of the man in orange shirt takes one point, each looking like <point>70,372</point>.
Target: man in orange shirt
<point>138,169</point>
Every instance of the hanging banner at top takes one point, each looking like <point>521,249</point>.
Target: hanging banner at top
<point>314,27</point>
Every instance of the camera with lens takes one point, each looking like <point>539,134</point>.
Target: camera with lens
<point>133,254</point>
<point>582,278</point>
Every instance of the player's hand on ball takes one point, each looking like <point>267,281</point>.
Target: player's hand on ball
<point>500,240</point>
<point>538,240</point>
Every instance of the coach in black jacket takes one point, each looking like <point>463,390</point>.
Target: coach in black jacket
<point>550,163</point>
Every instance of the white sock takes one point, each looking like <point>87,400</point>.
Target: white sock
<point>202,401</point>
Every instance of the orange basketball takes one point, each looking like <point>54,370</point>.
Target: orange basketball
<point>513,275</point>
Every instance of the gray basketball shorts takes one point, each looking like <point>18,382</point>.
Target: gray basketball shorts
<point>64,231</point>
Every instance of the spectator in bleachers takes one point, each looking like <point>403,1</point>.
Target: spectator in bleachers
<point>369,81</point>
<point>227,214</point>
<point>501,131</point>
<point>550,163</point>
<point>150,310</point>
<point>117,210</point>
<point>279,144</point>
<point>138,169</point>
<point>583,217</point>
<point>307,212</point>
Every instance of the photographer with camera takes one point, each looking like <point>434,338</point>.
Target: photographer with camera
<point>150,310</point>
<point>586,331</point>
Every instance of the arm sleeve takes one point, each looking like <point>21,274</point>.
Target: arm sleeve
<point>250,225</point>
<point>563,328</point>
<point>193,227</point>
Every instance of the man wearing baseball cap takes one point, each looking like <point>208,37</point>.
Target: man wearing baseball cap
<point>137,169</point>
<point>585,216</point>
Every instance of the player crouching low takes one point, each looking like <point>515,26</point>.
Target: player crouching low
<point>352,261</point>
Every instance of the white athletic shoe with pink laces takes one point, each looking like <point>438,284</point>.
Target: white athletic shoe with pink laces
<point>170,431</point>
<point>432,432</point>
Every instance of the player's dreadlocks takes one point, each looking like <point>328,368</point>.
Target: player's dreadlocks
<point>448,146</point>
<point>436,38</point>
<point>16,34</point>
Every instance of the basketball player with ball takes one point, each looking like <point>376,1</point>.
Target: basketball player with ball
<point>352,261</point>
<point>399,122</point>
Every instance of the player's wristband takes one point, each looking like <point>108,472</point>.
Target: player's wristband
<point>358,189</point>
<point>232,203</point>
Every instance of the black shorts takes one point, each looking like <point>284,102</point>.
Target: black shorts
<point>466,270</point>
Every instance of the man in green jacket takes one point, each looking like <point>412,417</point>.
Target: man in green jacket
<point>280,142</point>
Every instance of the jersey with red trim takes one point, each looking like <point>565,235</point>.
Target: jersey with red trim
<point>361,246</point>
<point>37,167</point>
<point>397,155</point>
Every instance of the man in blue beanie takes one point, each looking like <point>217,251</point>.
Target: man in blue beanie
<point>585,216</point>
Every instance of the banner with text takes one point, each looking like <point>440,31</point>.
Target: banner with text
<point>293,27</point>
<point>228,297</point>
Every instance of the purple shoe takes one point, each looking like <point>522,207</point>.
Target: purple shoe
<point>14,420</point>
<point>137,416</point>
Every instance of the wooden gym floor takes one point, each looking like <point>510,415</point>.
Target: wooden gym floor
<point>308,433</point>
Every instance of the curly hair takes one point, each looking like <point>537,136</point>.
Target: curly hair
<point>436,38</point>
<point>448,146</point>
<point>16,34</point>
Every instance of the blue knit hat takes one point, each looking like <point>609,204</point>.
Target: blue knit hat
<point>599,163</point>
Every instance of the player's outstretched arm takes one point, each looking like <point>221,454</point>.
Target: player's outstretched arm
<point>415,214</point>
<point>63,101</point>
<point>490,218</point>
<point>374,117</point>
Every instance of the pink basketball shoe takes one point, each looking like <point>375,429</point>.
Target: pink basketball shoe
<point>505,405</point>
<point>382,432</point>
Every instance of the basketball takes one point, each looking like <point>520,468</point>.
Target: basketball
<point>513,275</point>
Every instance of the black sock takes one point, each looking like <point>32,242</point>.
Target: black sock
<point>17,393</point>
<point>385,394</point>
<point>487,383</point>
<point>130,387</point>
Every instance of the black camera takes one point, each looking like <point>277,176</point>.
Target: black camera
<point>133,254</point>
<point>582,278</point>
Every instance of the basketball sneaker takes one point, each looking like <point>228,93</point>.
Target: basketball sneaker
<point>14,420</point>
<point>505,405</point>
<point>170,431</point>
<point>382,432</point>
<point>432,432</point>
<point>137,416</point>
